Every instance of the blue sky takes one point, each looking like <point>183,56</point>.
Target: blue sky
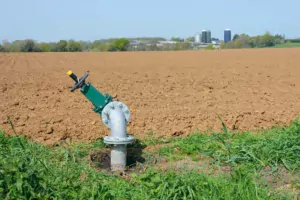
<point>53,20</point>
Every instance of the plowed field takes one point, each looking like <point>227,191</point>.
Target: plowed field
<point>168,93</point>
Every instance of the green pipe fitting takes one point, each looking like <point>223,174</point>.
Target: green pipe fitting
<point>90,92</point>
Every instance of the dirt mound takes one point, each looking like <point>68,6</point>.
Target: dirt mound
<point>168,93</point>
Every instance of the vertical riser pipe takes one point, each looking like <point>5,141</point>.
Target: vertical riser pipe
<point>118,157</point>
<point>118,130</point>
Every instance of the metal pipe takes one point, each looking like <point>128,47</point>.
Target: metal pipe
<point>118,130</point>
<point>118,157</point>
<point>117,123</point>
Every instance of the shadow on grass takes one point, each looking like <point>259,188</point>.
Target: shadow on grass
<point>135,153</point>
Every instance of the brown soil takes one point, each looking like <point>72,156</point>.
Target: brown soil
<point>168,93</point>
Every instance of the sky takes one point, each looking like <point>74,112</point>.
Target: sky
<point>53,20</point>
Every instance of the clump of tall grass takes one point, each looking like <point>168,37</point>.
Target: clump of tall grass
<point>274,147</point>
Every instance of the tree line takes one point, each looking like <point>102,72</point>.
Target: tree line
<point>141,44</point>
<point>103,45</point>
<point>260,41</point>
<point>29,45</point>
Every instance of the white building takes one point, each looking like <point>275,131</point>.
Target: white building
<point>197,38</point>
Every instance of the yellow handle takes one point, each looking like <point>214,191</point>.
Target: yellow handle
<point>69,72</point>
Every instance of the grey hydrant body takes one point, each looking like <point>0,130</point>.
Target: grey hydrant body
<point>116,114</point>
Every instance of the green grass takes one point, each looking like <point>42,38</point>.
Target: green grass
<point>275,147</point>
<point>287,45</point>
<point>31,171</point>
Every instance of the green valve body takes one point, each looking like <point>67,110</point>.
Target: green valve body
<point>90,92</point>
<point>97,98</point>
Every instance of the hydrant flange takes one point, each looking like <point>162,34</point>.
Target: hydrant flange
<point>112,105</point>
<point>117,140</point>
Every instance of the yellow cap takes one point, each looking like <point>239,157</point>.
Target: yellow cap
<point>70,72</point>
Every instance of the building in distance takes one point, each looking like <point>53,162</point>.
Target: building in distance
<point>198,38</point>
<point>227,35</point>
<point>205,36</point>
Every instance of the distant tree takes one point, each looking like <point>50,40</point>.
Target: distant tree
<point>296,40</point>
<point>45,47</point>
<point>228,45</point>
<point>191,39</point>
<point>74,46</point>
<point>185,46</point>
<point>259,41</point>
<point>152,47</point>
<point>62,46</point>
<point>176,39</point>
<point>120,44</point>
<point>140,48</point>
<point>5,45</point>
<point>243,41</point>
<point>267,40</point>
<point>29,46</point>
<point>235,37</point>
<point>279,39</point>
<point>86,45</point>
<point>53,46</point>
<point>16,46</point>
<point>238,44</point>
<point>255,41</point>
<point>111,47</point>
<point>2,49</point>
<point>176,46</point>
<point>103,47</point>
<point>96,44</point>
<point>209,47</point>
<point>99,45</point>
<point>166,47</point>
<point>222,45</point>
